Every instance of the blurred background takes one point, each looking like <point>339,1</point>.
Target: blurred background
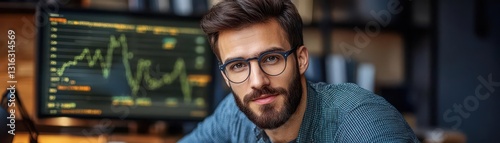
<point>436,61</point>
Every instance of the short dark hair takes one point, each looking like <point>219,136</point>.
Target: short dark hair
<point>235,14</point>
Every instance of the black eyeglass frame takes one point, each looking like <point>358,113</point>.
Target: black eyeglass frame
<point>285,54</point>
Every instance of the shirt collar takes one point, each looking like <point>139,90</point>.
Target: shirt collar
<point>261,135</point>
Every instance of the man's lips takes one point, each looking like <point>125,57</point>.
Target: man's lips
<point>265,99</point>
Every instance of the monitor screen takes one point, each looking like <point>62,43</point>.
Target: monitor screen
<point>122,65</point>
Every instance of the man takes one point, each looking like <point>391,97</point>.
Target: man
<point>262,58</point>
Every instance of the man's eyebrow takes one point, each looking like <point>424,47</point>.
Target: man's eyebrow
<point>270,50</point>
<point>256,55</point>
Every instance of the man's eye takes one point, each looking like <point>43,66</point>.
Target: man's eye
<point>239,66</point>
<point>272,59</point>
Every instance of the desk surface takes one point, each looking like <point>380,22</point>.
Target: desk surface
<point>121,138</point>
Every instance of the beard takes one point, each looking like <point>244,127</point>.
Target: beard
<point>272,118</point>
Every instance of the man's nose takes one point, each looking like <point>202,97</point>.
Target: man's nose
<point>258,78</point>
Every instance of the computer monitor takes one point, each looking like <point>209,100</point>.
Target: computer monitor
<point>121,65</point>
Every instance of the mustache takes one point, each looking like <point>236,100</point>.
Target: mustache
<point>264,90</point>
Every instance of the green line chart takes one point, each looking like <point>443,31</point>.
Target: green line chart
<point>142,73</point>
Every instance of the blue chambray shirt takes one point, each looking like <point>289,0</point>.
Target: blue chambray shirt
<point>334,113</point>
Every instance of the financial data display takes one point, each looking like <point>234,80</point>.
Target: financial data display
<point>102,64</point>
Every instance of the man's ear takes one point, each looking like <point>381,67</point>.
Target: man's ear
<point>303,59</point>
<point>225,79</point>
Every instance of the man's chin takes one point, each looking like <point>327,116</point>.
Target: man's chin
<point>266,121</point>
<point>261,110</point>
<point>269,116</point>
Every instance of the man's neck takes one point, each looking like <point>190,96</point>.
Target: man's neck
<point>290,130</point>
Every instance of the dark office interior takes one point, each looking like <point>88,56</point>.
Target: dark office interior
<point>437,62</point>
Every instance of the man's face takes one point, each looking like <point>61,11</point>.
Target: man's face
<point>268,101</point>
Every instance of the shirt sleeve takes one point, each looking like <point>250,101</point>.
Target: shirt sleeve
<point>374,120</point>
<point>215,128</point>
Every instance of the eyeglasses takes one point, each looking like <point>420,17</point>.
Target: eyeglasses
<point>272,63</point>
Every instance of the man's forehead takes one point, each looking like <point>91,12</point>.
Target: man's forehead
<point>251,40</point>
